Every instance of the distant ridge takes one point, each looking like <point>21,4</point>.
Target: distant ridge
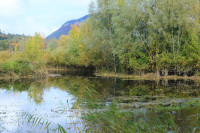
<point>66,27</point>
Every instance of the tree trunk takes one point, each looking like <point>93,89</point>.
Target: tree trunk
<point>185,74</point>
<point>115,66</point>
<point>166,72</point>
<point>142,73</point>
<point>166,82</point>
<point>157,82</point>
<point>157,73</point>
<point>139,73</point>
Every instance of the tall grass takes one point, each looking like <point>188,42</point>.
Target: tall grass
<point>115,120</point>
<point>34,121</point>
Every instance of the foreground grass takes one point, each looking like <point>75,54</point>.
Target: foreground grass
<point>110,120</point>
<point>115,120</point>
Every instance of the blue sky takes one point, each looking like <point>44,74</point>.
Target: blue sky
<point>43,16</point>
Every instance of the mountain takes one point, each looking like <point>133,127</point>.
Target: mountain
<point>66,27</point>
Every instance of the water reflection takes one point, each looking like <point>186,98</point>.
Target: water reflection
<point>46,98</point>
<point>105,87</point>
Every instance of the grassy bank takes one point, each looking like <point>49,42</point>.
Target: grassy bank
<point>149,76</point>
<point>14,77</point>
<point>41,73</point>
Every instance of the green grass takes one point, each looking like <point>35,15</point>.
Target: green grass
<point>34,121</point>
<point>115,120</point>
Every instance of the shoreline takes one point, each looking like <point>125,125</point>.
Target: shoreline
<point>17,77</point>
<point>148,76</point>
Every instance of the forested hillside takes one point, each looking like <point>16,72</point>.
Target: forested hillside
<point>135,37</point>
<point>66,27</point>
<point>9,41</point>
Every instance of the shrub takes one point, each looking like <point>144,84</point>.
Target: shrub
<point>16,66</point>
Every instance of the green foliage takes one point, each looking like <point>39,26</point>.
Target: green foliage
<point>137,36</point>
<point>70,50</point>
<point>34,48</point>
<point>18,67</point>
<point>3,45</point>
<point>57,57</point>
<point>26,57</point>
<point>51,44</point>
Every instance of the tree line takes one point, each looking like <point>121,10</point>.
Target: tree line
<point>143,36</point>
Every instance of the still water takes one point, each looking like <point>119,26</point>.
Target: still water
<point>64,100</point>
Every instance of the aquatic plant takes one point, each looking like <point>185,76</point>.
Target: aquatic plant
<point>115,120</point>
<point>34,121</point>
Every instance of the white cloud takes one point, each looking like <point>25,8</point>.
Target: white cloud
<point>33,24</point>
<point>3,26</point>
<point>11,8</point>
<point>67,3</point>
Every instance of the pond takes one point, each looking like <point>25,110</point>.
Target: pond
<point>50,104</point>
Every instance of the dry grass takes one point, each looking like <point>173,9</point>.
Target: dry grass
<point>14,77</point>
<point>149,76</point>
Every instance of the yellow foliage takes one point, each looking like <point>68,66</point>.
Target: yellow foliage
<point>34,49</point>
<point>75,32</point>
<point>63,41</point>
<point>15,45</point>
<point>4,56</point>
